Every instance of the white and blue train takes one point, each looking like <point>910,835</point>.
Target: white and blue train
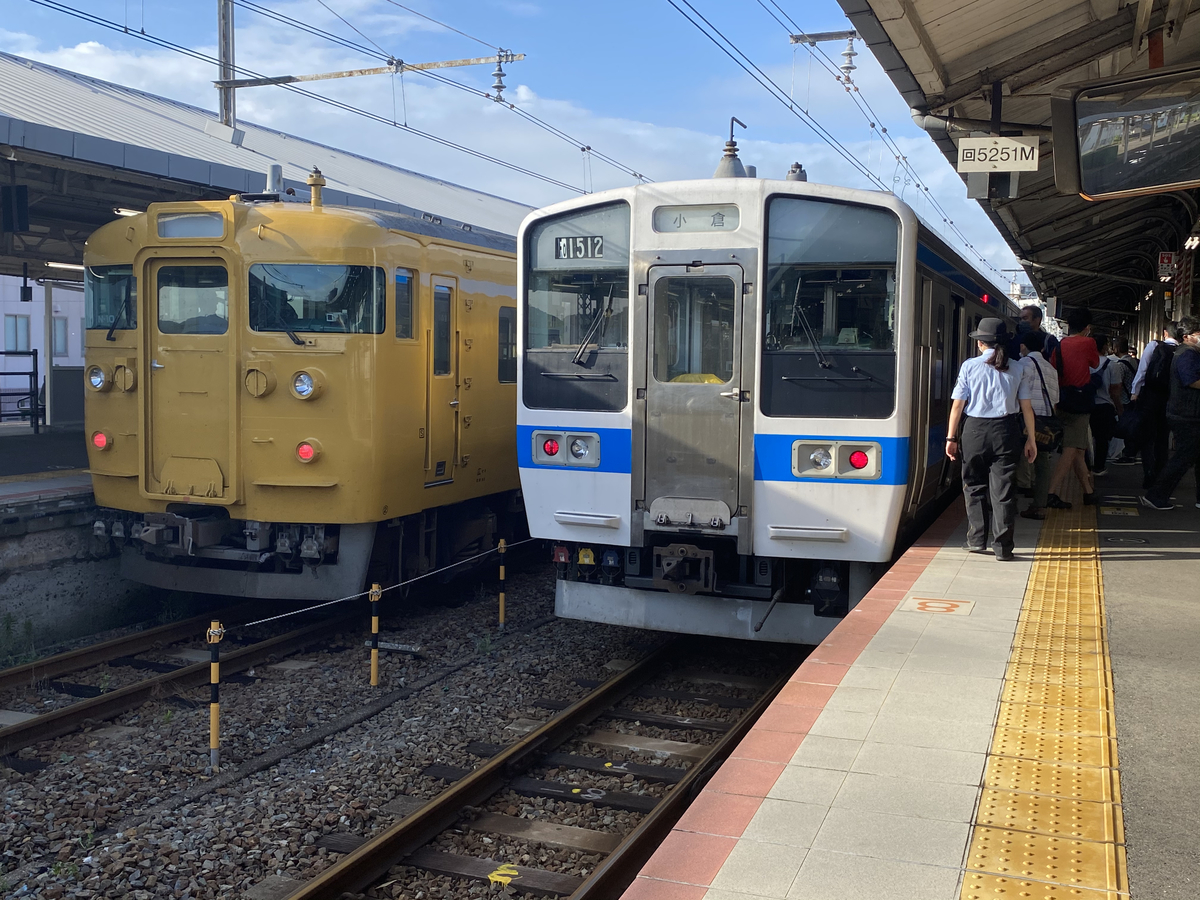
<point>733,397</point>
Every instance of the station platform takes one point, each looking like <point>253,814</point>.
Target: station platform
<point>978,729</point>
<point>53,450</point>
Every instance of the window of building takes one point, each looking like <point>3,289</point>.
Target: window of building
<point>507,368</point>
<point>60,336</point>
<point>406,290</point>
<point>16,334</point>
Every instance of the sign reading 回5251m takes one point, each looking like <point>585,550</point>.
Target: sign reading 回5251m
<point>998,154</point>
<point>588,246</point>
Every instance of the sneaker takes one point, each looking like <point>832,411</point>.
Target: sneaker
<point>1005,555</point>
<point>1125,461</point>
<point>1146,501</point>
<point>1099,473</point>
<point>1036,512</point>
<point>971,549</point>
<point>1053,501</point>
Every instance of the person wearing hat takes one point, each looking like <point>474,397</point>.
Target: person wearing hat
<point>994,401</point>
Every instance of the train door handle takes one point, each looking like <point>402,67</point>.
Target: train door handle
<point>454,403</point>
<point>155,364</point>
<point>740,396</point>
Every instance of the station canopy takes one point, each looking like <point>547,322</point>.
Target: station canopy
<point>944,57</point>
<point>85,147</point>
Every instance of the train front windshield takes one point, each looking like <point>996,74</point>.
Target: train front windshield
<point>577,311</point>
<point>829,317</point>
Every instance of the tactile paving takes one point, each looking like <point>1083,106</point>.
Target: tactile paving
<point>1043,857</point>
<point>1052,674</point>
<point>1054,718</point>
<point>982,886</point>
<point>1072,749</point>
<point>1074,696</point>
<point>1034,776</point>
<point>1063,817</point>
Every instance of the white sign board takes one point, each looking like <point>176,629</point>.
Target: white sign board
<point>998,154</point>
<point>1166,264</point>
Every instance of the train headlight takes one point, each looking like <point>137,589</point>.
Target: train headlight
<point>821,459</point>
<point>98,379</point>
<point>579,448</point>
<point>307,384</point>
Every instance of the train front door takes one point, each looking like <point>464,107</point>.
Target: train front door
<point>189,420</point>
<point>442,386</point>
<point>694,396</point>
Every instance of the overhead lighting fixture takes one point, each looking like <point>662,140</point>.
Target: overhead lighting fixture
<point>74,267</point>
<point>123,211</point>
<point>1192,242</point>
<point>1165,278</point>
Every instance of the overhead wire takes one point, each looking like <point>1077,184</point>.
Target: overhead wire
<point>386,57</point>
<point>887,141</point>
<point>442,24</point>
<point>337,104</point>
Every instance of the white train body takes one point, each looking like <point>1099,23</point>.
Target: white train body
<point>733,391</point>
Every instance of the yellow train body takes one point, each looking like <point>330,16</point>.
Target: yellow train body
<point>274,374</point>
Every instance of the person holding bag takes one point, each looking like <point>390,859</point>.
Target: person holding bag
<point>990,393</point>
<point>1041,381</point>
<point>1074,360</point>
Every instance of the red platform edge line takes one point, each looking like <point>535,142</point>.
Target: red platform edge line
<point>689,859</point>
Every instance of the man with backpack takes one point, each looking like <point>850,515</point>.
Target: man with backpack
<point>1124,449</point>
<point>1151,390</point>
<point>1075,359</point>
<point>1183,414</point>
<point>1106,381</point>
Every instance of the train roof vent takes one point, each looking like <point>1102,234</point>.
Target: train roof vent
<point>730,166</point>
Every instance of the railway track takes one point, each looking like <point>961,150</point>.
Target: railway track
<point>406,843</point>
<point>110,704</point>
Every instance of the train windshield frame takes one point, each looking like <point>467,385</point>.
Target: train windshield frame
<point>110,296</point>
<point>317,298</point>
<point>577,310</point>
<point>829,310</point>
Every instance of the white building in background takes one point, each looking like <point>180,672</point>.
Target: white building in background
<point>25,329</point>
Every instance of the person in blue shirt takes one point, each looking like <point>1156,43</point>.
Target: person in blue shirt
<point>1183,413</point>
<point>993,399</point>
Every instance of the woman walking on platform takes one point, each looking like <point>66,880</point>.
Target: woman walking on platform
<point>991,394</point>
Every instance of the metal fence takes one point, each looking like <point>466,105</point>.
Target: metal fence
<point>27,404</point>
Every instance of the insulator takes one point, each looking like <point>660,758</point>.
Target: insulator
<point>498,84</point>
<point>848,54</point>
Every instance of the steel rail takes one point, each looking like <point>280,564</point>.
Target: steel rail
<point>109,705</point>
<point>128,645</point>
<point>372,860</point>
<point>620,867</point>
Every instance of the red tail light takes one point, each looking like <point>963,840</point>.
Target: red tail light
<point>859,460</point>
<point>305,452</point>
<point>100,440</point>
<point>550,447</point>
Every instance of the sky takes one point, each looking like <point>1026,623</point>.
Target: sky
<point>633,79</point>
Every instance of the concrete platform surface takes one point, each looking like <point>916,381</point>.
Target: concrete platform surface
<point>23,452</point>
<point>956,736</point>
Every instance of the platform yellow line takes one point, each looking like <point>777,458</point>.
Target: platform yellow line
<point>1049,823</point>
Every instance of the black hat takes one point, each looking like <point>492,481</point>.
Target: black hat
<point>991,331</point>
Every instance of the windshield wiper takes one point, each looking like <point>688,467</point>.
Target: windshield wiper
<point>602,314</point>
<point>798,313</point>
<point>296,339</point>
<point>122,312</point>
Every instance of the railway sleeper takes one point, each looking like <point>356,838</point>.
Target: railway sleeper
<point>556,790</point>
<point>720,726</point>
<point>721,700</point>
<point>490,871</point>
<point>662,774</point>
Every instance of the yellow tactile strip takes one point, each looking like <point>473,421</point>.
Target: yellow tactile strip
<point>1049,824</point>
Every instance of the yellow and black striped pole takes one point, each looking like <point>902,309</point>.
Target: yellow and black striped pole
<point>214,635</point>
<point>375,594</point>
<point>502,548</point>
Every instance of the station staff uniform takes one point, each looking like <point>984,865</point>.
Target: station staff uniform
<point>991,443</point>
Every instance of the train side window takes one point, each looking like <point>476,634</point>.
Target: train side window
<point>406,289</point>
<point>506,370</point>
<point>443,298</point>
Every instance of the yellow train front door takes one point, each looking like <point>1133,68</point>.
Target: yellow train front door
<point>442,386</point>
<point>189,442</point>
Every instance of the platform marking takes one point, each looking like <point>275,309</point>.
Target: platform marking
<point>938,605</point>
<point>1118,511</point>
<point>1050,822</point>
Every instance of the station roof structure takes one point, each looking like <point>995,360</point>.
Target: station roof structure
<point>85,146</point>
<point>944,55</point>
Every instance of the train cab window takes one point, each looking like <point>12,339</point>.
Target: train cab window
<point>506,370</point>
<point>693,329</point>
<point>110,297</point>
<point>317,298</point>
<point>193,300</point>
<point>829,317</point>
<point>577,310</point>
<point>406,289</point>
<point>443,301</point>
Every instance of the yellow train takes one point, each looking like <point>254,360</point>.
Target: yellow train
<point>285,398</point>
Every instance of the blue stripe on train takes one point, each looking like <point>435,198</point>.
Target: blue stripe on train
<point>616,448</point>
<point>773,458</point>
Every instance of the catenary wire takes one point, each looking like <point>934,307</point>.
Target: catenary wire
<point>443,24</point>
<point>346,107</point>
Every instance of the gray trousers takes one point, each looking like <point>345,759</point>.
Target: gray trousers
<point>990,449</point>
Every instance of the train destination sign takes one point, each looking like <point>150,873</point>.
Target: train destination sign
<point>998,154</point>
<point>588,246</point>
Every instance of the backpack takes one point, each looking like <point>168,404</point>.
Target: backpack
<point>1098,381</point>
<point>1158,373</point>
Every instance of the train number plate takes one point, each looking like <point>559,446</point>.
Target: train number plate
<point>590,246</point>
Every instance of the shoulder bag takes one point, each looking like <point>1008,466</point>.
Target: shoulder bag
<point>1047,430</point>
<point>1072,399</point>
